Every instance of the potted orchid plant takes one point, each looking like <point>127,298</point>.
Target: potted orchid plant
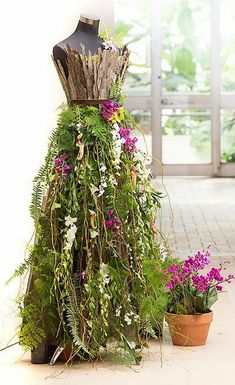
<point>191,294</point>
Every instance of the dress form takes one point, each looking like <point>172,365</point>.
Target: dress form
<point>86,34</point>
<point>74,236</point>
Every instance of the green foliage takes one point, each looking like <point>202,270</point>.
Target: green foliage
<point>41,181</point>
<point>37,307</point>
<point>72,316</point>
<point>116,90</point>
<point>228,136</point>
<point>123,28</point>
<point>122,356</point>
<point>36,200</point>
<point>91,284</point>
<point>204,301</point>
<point>136,30</point>
<point>96,129</point>
<point>66,140</point>
<point>154,304</point>
<point>200,136</point>
<point>22,268</point>
<point>228,156</point>
<point>31,333</point>
<point>185,65</point>
<point>107,35</point>
<point>68,117</point>
<point>184,59</point>
<point>185,299</point>
<point>196,125</point>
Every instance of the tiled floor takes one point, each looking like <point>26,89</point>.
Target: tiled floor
<point>204,213</point>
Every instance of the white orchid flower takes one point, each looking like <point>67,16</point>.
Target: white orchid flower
<point>69,221</point>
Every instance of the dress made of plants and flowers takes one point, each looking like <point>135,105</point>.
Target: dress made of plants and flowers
<point>96,280</point>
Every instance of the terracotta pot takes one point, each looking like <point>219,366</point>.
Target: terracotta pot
<point>189,330</point>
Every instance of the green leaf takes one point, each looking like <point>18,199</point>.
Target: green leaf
<point>185,64</point>
<point>66,140</point>
<point>211,297</point>
<point>93,188</point>
<point>204,301</point>
<point>181,309</point>
<point>200,304</point>
<point>55,206</point>
<point>93,233</point>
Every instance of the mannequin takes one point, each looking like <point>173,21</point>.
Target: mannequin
<point>86,33</point>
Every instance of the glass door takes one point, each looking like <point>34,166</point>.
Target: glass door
<point>184,31</point>
<point>227,87</point>
<point>181,84</point>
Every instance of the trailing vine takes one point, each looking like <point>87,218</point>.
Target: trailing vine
<point>96,265</point>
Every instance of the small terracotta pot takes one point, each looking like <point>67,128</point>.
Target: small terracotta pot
<point>189,330</point>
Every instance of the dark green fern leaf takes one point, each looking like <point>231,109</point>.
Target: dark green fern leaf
<point>41,181</point>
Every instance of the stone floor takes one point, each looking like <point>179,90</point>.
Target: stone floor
<point>198,213</point>
<point>203,212</point>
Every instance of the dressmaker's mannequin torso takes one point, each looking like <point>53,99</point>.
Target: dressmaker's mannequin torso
<point>86,33</point>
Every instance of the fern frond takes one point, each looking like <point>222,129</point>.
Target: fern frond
<point>22,268</point>
<point>148,328</point>
<point>116,90</point>
<point>31,332</point>
<point>41,181</point>
<point>36,200</point>
<point>73,320</point>
<point>31,336</point>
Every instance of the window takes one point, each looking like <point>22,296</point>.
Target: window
<point>181,83</point>
<point>143,120</point>
<point>132,21</point>
<point>227,46</point>
<point>186,136</point>
<point>185,46</point>
<point>228,136</point>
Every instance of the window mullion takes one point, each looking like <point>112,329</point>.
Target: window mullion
<point>215,85</point>
<point>156,84</point>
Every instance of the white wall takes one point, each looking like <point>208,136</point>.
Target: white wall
<point>30,93</point>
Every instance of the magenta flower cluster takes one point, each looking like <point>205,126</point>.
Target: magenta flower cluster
<point>108,108</point>
<point>187,274</point>
<point>129,142</point>
<point>61,165</point>
<point>113,222</point>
